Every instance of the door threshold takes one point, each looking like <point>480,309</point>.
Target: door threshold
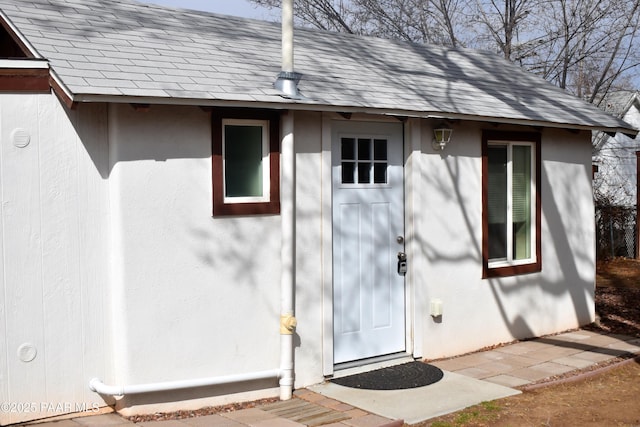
<point>345,369</point>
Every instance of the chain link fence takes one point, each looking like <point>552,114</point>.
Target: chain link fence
<point>616,232</point>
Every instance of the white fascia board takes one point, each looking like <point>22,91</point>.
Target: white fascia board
<point>62,86</point>
<point>26,63</point>
<point>287,104</point>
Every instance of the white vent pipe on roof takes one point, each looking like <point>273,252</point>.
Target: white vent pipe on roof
<point>287,80</point>
<point>287,36</point>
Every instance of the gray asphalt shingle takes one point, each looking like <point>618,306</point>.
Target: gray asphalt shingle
<point>125,48</point>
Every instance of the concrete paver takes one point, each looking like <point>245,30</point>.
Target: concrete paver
<point>277,422</point>
<point>367,421</point>
<point>550,353</point>
<point>507,380</point>
<point>505,368</point>
<point>249,416</point>
<point>575,362</point>
<point>211,421</point>
<point>102,420</point>
<point>594,356</point>
<point>163,423</point>
<point>63,423</point>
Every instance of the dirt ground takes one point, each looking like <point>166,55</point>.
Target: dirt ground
<point>609,398</point>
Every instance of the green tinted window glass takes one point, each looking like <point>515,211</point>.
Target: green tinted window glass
<point>243,176</point>
<point>497,201</point>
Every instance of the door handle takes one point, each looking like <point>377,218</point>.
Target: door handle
<point>402,263</point>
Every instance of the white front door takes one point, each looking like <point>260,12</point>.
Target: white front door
<point>368,234</point>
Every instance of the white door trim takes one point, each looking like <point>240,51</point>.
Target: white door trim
<point>327,248</point>
<point>415,283</point>
<point>411,146</point>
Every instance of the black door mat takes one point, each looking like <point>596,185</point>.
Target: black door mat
<point>399,377</point>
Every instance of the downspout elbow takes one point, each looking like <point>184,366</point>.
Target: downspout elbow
<point>99,387</point>
<point>288,325</point>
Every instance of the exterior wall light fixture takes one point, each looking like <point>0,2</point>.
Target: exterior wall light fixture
<point>442,136</point>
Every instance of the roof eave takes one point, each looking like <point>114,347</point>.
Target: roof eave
<point>287,104</point>
<point>60,89</point>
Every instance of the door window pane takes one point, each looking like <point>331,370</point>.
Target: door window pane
<point>348,172</point>
<point>364,161</point>
<point>380,173</point>
<point>364,173</point>
<point>364,149</point>
<point>380,149</point>
<point>348,149</point>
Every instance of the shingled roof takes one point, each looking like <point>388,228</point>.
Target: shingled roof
<point>125,51</point>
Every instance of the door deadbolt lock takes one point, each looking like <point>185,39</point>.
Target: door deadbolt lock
<point>402,263</point>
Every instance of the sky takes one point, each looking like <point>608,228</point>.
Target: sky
<point>227,7</point>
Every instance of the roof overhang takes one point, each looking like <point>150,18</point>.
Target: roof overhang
<point>280,103</point>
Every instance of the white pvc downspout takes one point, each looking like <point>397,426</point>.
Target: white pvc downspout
<point>287,204</point>
<point>120,390</point>
<point>287,216</point>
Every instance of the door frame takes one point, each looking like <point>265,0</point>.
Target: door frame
<point>412,147</point>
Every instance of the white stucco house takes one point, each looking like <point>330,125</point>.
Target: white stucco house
<point>615,154</point>
<point>177,232</point>
<point>615,161</point>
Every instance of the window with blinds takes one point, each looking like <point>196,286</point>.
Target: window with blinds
<point>509,197</point>
<point>510,223</point>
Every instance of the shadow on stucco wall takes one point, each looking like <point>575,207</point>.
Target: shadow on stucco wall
<point>529,304</point>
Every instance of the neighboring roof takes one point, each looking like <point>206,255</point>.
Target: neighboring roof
<point>105,50</point>
<point>620,102</point>
<point>617,103</point>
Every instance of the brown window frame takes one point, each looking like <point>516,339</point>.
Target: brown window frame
<point>270,207</point>
<point>512,270</point>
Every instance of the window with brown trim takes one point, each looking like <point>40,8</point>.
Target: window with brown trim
<point>246,162</point>
<point>511,210</point>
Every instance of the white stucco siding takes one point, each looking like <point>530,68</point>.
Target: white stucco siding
<point>480,312</point>
<point>568,229</point>
<point>192,293</point>
<point>309,297</point>
<point>450,238</point>
<point>54,311</point>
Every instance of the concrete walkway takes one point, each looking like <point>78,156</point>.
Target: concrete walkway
<point>468,380</point>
